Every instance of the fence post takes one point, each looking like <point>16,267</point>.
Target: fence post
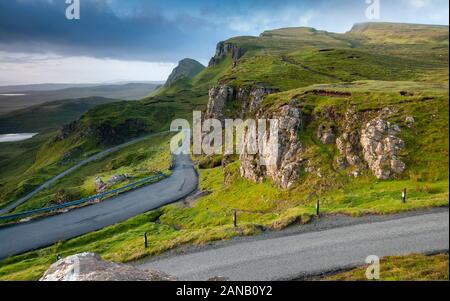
<point>318,208</point>
<point>145,240</point>
<point>404,195</point>
<point>235,218</point>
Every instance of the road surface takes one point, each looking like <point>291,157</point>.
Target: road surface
<point>50,182</point>
<point>41,233</point>
<point>294,256</point>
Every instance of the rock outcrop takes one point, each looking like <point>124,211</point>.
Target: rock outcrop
<point>361,144</point>
<point>225,48</point>
<point>283,165</point>
<point>380,146</point>
<point>252,97</point>
<point>187,68</point>
<point>219,96</point>
<point>247,99</point>
<point>348,143</point>
<point>90,267</point>
<point>374,144</point>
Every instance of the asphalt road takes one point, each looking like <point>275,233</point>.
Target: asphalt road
<point>50,182</point>
<point>41,233</point>
<point>294,256</point>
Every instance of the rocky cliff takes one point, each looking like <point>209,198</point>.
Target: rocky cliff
<point>229,102</point>
<point>225,48</point>
<point>186,69</point>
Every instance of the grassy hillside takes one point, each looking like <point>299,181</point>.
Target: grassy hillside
<point>403,268</point>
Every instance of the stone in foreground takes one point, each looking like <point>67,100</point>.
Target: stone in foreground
<point>90,267</point>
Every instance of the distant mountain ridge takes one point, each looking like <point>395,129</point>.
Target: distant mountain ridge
<point>130,91</point>
<point>4,89</point>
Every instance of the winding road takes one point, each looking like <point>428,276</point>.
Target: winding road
<point>294,256</point>
<point>53,180</point>
<point>41,233</point>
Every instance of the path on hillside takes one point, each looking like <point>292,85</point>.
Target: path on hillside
<point>293,256</point>
<point>53,180</point>
<point>44,232</point>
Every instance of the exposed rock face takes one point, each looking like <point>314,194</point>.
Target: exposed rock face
<point>66,130</point>
<point>374,144</point>
<point>187,68</point>
<point>223,49</point>
<point>281,166</point>
<point>348,143</point>
<point>90,267</point>
<point>248,98</point>
<point>218,98</point>
<point>380,147</point>
<point>251,98</point>
<point>326,134</point>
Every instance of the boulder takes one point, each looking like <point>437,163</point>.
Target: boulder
<point>326,134</point>
<point>90,267</point>
<point>410,121</point>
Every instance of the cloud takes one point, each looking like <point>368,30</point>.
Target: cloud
<point>105,29</point>
<point>418,3</point>
<point>20,68</point>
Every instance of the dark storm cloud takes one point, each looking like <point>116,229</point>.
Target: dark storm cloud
<point>40,26</point>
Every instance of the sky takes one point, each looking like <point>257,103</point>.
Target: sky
<point>142,40</point>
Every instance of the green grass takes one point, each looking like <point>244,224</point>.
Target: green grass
<point>403,268</point>
<point>49,116</point>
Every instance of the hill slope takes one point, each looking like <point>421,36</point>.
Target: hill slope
<point>186,69</point>
<point>48,116</point>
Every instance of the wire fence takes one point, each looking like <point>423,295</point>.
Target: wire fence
<point>131,186</point>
